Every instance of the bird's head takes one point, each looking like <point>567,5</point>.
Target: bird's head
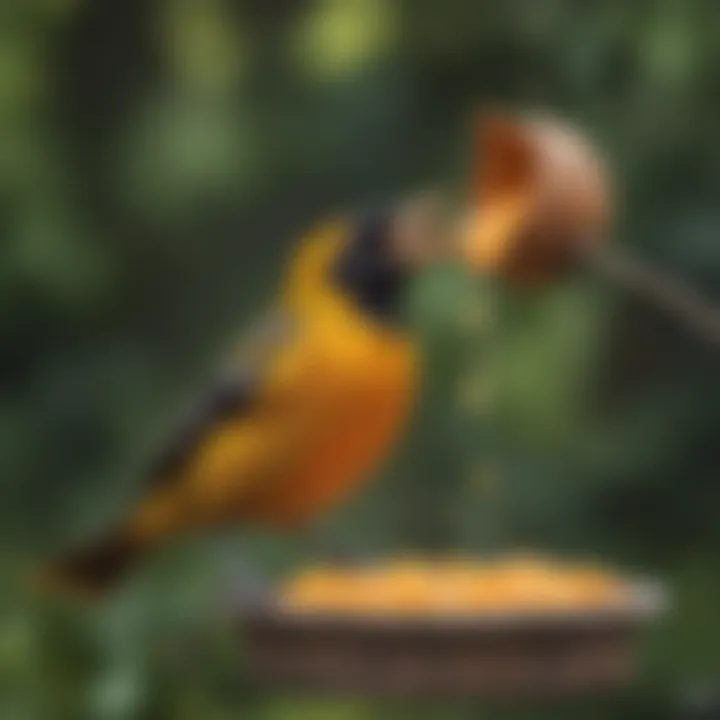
<point>388,248</point>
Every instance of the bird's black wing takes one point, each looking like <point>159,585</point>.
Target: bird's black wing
<point>230,395</point>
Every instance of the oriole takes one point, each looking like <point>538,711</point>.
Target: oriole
<point>308,404</point>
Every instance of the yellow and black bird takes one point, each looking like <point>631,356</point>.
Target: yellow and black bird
<point>308,404</point>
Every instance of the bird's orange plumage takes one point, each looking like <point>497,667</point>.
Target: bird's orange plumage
<point>334,397</point>
<point>331,397</point>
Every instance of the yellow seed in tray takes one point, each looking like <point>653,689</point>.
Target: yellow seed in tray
<point>410,586</point>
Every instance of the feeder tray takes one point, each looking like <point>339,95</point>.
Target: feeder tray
<point>500,656</point>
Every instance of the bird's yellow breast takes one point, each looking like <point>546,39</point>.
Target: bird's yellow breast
<point>358,395</point>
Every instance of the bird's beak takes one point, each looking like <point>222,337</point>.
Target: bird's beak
<point>420,230</point>
<point>501,202</point>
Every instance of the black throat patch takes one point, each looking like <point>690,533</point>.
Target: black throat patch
<point>367,272</point>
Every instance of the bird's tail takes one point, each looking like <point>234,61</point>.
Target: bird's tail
<point>92,570</point>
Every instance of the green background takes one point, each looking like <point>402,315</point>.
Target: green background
<point>157,159</point>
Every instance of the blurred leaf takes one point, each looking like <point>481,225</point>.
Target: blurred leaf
<point>201,46</point>
<point>340,36</point>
